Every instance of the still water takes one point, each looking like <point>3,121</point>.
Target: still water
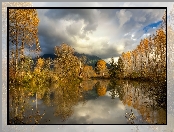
<point>90,102</point>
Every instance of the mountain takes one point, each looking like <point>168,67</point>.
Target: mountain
<point>91,59</point>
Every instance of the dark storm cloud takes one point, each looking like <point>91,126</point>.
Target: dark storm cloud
<point>106,52</point>
<point>49,37</point>
<point>48,43</point>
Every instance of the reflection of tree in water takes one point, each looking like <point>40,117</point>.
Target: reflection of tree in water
<point>94,88</point>
<point>63,95</point>
<point>115,89</point>
<point>88,85</point>
<point>101,89</point>
<point>19,104</point>
<point>67,94</point>
<point>47,97</point>
<point>148,98</point>
<point>130,117</point>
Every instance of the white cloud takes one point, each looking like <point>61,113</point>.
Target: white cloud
<point>146,35</point>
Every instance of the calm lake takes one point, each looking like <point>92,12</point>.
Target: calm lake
<point>90,102</point>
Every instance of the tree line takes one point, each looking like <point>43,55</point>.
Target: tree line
<point>146,61</point>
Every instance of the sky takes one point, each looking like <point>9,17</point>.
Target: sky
<point>105,33</point>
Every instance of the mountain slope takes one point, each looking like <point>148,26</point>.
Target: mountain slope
<point>91,59</point>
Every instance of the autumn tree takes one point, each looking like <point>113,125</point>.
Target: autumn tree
<point>100,67</point>
<point>113,68</point>
<point>66,65</point>
<point>120,68</point>
<point>134,63</point>
<point>128,63</point>
<point>88,72</point>
<point>23,34</point>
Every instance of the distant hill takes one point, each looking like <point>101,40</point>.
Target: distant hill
<point>91,59</point>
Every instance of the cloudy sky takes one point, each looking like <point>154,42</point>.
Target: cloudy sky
<point>105,33</point>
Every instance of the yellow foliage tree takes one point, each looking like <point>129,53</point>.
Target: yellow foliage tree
<point>23,34</point>
<point>100,66</point>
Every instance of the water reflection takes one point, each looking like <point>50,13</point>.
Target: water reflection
<point>130,117</point>
<point>87,102</point>
<point>20,109</point>
<point>149,99</point>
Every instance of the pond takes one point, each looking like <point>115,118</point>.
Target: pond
<point>90,102</point>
